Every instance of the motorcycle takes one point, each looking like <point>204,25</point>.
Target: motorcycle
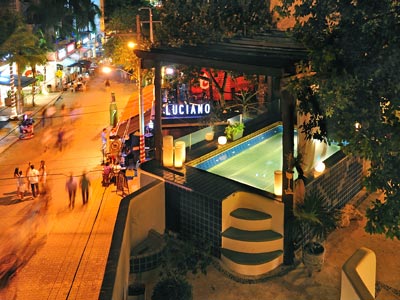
<point>26,128</point>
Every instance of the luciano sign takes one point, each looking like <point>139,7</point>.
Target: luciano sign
<point>186,110</point>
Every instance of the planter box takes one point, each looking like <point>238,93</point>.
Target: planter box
<point>237,135</point>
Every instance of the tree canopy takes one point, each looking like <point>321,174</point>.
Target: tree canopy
<point>352,89</point>
<point>195,22</point>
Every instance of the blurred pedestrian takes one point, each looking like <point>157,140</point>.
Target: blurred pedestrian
<point>44,117</point>
<point>47,134</point>
<point>104,136</point>
<point>104,144</point>
<point>71,187</point>
<point>33,178</point>
<point>20,185</point>
<point>16,172</point>
<point>60,138</point>
<point>84,185</point>
<point>50,112</point>
<point>42,176</point>
<point>107,84</point>
<point>64,113</point>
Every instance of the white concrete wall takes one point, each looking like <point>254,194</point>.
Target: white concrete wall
<point>359,276</point>
<point>253,201</point>
<point>146,210</point>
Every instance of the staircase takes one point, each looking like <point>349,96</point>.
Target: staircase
<point>252,240</point>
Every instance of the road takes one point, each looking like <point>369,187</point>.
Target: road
<point>27,224</point>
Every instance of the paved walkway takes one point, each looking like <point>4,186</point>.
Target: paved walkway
<point>66,257</point>
<point>60,253</point>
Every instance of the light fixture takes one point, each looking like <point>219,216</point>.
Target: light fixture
<point>181,147</point>
<point>319,169</point>
<point>168,151</point>
<point>169,71</point>
<point>222,140</point>
<point>278,183</point>
<point>179,154</point>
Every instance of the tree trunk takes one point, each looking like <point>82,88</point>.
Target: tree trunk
<point>287,108</point>
<point>12,86</point>
<point>220,88</point>
<point>33,85</point>
<point>20,101</point>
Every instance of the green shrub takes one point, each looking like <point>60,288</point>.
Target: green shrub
<point>172,288</point>
<point>232,129</point>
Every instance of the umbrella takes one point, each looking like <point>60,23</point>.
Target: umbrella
<point>30,73</point>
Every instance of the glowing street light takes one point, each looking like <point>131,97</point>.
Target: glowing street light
<point>141,107</point>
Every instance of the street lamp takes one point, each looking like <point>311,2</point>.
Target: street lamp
<point>141,107</point>
<point>150,22</point>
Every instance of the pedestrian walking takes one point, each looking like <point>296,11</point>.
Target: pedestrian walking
<point>71,186</point>
<point>107,84</point>
<point>50,112</point>
<point>16,172</point>
<point>47,135</point>
<point>64,113</point>
<point>84,185</point>
<point>60,138</point>
<point>44,117</point>
<point>104,144</point>
<point>33,178</point>
<point>42,176</point>
<point>20,185</point>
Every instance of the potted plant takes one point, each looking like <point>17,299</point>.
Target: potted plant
<point>313,221</point>
<point>234,131</point>
<point>213,119</point>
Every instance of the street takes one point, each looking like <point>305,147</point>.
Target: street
<point>27,224</point>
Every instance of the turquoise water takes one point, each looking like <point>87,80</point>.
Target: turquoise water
<point>255,165</point>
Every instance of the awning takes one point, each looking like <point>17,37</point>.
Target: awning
<point>131,125</point>
<point>82,64</point>
<point>25,81</point>
<point>66,62</point>
<point>75,56</point>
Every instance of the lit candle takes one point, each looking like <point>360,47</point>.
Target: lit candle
<point>278,183</point>
<point>168,151</point>
<point>181,146</point>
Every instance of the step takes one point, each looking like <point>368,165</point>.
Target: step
<point>251,235</point>
<point>250,219</point>
<point>250,214</point>
<point>251,241</point>
<point>251,264</point>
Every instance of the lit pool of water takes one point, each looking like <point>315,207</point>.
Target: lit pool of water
<point>254,161</point>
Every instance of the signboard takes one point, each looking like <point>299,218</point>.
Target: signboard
<point>186,110</point>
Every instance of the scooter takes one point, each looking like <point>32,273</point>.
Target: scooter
<point>26,128</point>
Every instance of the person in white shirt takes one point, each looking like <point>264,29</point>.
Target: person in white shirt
<point>71,186</point>
<point>33,178</point>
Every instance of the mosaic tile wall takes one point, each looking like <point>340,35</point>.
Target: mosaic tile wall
<point>199,215</point>
<point>143,263</point>
<point>340,183</point>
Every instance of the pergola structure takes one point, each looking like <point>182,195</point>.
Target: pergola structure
<point>272,54</point>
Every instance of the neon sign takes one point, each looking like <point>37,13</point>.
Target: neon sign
<point>186,110</point>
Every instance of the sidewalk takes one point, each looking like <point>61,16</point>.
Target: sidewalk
<point>61,252</point>
<point>9,131</point>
